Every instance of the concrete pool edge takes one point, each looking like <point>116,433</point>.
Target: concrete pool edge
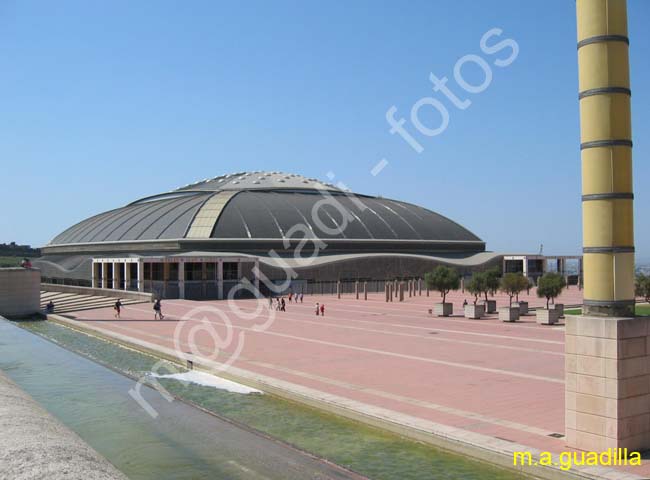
<point>27,426</point>
<point>472,445</point>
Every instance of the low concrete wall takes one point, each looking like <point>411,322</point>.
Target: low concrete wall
<point>34,445</point>
<point>103,292</point>
<point>20,291</point>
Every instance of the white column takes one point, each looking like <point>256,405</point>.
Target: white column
<point>105,275</point>
<point>127,275</point>
<point>95,275</point>
<point>220,280</point>
<point>140,279</point>
<point>525,265</point>
<point>117,278</point>
<point>181,279</point>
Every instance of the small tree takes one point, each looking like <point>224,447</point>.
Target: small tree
<point>550,285</point>
<point>512,284</point>
<point>525,282</point>
<point>492,282</point>
<point>530,285</point>
<point>642,286</point>
<point>442,279</point>
<point>476,285</point>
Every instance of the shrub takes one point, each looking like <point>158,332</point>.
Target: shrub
<point>642,286</point>
<point>512,284</point>
<point>476,285</point>
<point>492,282</point>
<point>550,285</point>
<point>442,279</point>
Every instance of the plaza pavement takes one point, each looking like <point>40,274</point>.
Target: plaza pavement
<point>501,380</point>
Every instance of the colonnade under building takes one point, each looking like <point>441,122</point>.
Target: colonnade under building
<point>179,276</point>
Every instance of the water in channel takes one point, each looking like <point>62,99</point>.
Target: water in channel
<point>184,442</point>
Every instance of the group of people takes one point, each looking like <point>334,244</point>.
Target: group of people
<point>281,303</point>
<point>296,297</point>
<point>117,307</point>
<point>157,309</point>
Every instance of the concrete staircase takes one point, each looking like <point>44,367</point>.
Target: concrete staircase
<point>70,302</point>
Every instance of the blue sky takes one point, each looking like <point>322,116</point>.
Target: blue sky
<point>106,102</point>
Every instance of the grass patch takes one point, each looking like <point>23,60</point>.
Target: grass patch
<point>641,311</point>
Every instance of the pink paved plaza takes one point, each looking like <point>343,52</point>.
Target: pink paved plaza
<point>504,380</point>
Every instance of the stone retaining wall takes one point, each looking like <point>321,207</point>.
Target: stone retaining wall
<point>20,292</point>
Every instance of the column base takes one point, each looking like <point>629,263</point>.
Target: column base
<point>607,383</point>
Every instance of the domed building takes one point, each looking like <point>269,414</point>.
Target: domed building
<point>270,228</point>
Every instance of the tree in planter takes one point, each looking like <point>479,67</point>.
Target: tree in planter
<point>476,285</point>
<point>492,282</point>
<point>550,285</point>
<point>642,286</point>
<point>442,279</point>
<point>512,284</point>
<point>525,285</point>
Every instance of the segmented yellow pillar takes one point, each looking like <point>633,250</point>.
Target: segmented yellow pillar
<point>606,146</point>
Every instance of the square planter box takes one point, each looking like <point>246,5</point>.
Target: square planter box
<point>560,308</point>
<point>490,306</point>
<point>443,309</point>
<point>474,311</point>
<point>547,317</point>
<point>508,314</point>
<point>523,307</point>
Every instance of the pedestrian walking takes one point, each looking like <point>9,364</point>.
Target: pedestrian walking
<point>322,310</point>
<point>283,305</point>
<point>317,309</point>
<point>157,308</point>
<point>301,297</point>
<point>118,308</point>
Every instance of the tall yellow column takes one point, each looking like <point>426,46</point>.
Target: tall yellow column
<point>606,145</point>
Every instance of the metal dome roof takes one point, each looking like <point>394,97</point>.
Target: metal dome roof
<point>265,206</point>
<point>258,181</point>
